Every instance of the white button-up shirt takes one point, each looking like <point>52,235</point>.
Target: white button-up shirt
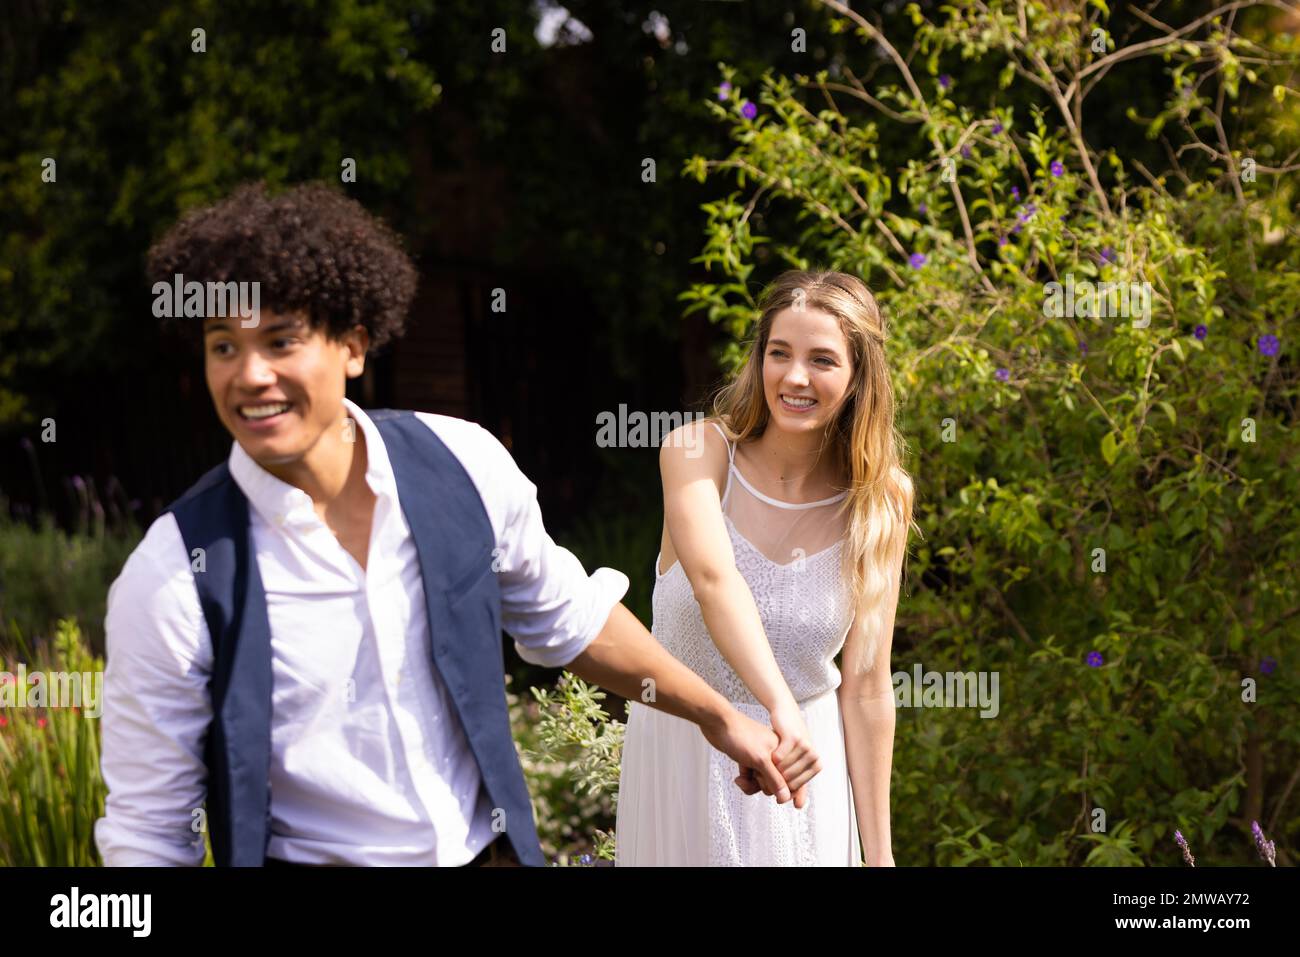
<point>369,764</point>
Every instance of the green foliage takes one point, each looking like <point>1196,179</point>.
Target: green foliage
<point>47,574</point>
<point>1039,439</point>
<point>52,791</point>
<point>570,750</point>
<point>143,126</point>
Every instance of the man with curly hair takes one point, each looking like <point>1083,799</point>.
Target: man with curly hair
<point>304,653</point>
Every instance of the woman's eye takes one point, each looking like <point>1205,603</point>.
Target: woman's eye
<point>827,359</point>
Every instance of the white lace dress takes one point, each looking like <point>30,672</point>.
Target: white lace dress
<point>678,803</point>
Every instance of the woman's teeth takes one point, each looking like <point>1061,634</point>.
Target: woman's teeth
<point>798,403</point>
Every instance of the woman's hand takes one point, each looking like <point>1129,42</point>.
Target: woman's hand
<point>795,757</point>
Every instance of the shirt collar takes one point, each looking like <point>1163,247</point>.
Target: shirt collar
<point>280,503</point>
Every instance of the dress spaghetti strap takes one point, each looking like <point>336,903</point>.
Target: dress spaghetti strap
<point>731,462</point>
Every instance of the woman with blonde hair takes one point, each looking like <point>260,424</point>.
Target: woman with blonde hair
<point>786,517</point>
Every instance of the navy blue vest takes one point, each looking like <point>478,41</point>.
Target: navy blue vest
<point>454,540</point>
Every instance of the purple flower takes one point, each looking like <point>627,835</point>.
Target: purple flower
<point>1200,332</point>
<point>1056,168</point>
<point>1268,664</point>
<point>1015,228</point>
<point>965,152</point>
<point>1268,345</point>
<point>1108,255</point>
<point>1015,192</point>
<point>748,110</point>
<point>1187,851</point>
<point>1267,849</point>
<point>1094,659</point>
<point>945,80</point>
<point>1002,240</point>
<point>1003,375</point>
<point>917,260</point>
<point>921,208</point>
<point>724,90</point>
<point>1027,213</point>
<point>997,128</point>
<point>1083,347</point>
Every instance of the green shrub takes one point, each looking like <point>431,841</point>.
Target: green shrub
<point>47,574</point>
<point>570,748</point>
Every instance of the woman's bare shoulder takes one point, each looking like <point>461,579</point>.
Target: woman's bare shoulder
<point>695,447</point>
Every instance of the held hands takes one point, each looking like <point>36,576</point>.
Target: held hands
<point>795,758</point>
<point>778,761</point>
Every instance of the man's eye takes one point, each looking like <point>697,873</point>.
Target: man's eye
<point>282,342</point>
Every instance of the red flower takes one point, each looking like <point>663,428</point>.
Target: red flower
<point>40,722</point>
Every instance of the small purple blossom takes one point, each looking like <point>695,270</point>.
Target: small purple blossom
<point>1094,659</point>
<point>921,208</point>
<point>1083,347</point>
<point>1056,168</point>
<point>1027,213</point>
<point>1267,849</point>
<point>1015,229</point>
<point>997,128</point>
<point>1267,664</point>
<point>1108,255</point>
<point>1200,332</point>
<point>748,110</point>
<point>917,260</point>
<point>1002,240</point>
<point>1002,375</point>
<point>1187,851</point>
<point>1268,345</point>
<point>724,90</point>
<point>945,80</point>
<point>965,152</point>
<point>1015,192</point>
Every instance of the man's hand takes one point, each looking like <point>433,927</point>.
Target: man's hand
<point>750,745</point>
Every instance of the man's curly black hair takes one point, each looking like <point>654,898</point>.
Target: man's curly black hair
<point>310,247</point>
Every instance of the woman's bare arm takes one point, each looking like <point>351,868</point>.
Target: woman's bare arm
<point>868,709</point>
<point>692,459</point>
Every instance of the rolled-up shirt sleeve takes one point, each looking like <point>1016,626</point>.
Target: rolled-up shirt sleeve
<point>550,606</point>
<point>156,709</point>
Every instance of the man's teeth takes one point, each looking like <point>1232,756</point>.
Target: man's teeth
<point>802,403</point>
<point>264,411</point>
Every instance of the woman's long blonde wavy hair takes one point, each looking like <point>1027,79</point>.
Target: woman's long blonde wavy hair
<point>864,445</point>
